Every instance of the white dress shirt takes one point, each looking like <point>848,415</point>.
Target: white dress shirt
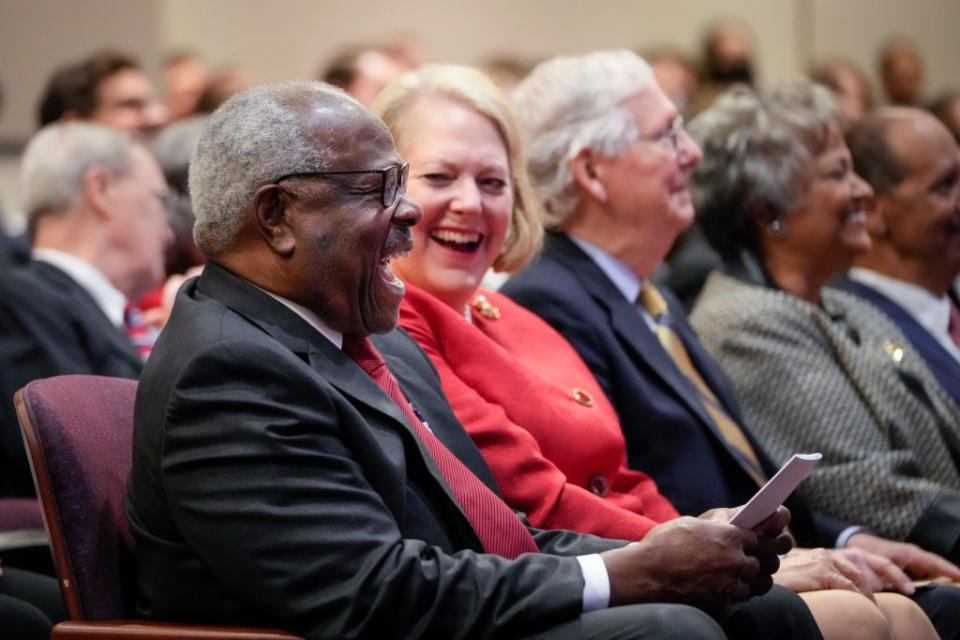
<point>111,301</point>
<point>930,311</point>
<point>596,580</point>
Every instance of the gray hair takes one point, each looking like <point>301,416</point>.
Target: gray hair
<point>58,157</point>
<point>757,154</point>
<point>569,104</point>
<point>253,138</point>
<point>173,147</point>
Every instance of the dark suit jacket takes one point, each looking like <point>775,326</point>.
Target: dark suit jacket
<point>275,483</point>
<point>49,325</point>
<point>668,432</point>
<point>941,364</point>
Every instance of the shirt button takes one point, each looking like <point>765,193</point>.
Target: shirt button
<point>598,485</point>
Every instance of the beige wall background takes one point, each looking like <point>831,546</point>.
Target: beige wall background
<point>280,39</point>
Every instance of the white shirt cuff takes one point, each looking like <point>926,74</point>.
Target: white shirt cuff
<point>848,533</point>
<point>596,582</point>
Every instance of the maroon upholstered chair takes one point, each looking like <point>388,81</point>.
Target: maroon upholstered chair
<point>78,431</point>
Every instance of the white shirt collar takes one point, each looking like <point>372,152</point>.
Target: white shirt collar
<point>931,312</point>
<point>625,280</point>
<point>110,300</point>
<point>309,317</point>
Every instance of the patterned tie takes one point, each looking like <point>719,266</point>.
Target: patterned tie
<point>654,303</point>
<point>954,327</point>
<point>140,333</point>
<point>498,527</point>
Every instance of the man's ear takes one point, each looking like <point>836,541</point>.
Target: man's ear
<point>95,187</point>
<point>271,220</point>
<point>585,175</point>
<point>878,208</point>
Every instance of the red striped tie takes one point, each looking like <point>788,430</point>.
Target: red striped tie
<point>498,527</point>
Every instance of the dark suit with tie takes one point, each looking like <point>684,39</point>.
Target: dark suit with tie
<point>49,325</point>
<point>339,524</point>
<point>942,365</point>
<point>668,432</point>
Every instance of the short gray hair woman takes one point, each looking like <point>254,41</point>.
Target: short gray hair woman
<point>816,369</point>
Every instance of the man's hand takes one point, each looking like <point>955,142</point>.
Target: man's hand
<point>698,561</point>
<point>916,562</point>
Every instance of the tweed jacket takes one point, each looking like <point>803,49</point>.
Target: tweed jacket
<point>842,380</point>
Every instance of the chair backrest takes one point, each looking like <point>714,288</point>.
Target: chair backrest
<point>78,431</point>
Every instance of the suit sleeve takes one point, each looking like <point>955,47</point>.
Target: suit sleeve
<point>529,481</point>
<point>310,540</point>
<point>798,398</point>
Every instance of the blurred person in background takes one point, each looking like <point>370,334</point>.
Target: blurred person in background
<point>728,57</point>
<point>363,71</point>
<point>96,206</point>
<point>849,85</point>
<point>184,79</point>
<point>108,88</point>
<point>676,74</point>
<point>901,72</point>
<point>913,164</point>
<point>947,108</point>
<point>814,368</point>
<point>222,83</point>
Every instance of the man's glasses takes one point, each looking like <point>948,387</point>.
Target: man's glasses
<point>393,180</point>
<point>669,139</point>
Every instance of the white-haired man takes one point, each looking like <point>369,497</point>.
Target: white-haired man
<point>286,473</point>
<point>612,162</point>
<point>95,205</point>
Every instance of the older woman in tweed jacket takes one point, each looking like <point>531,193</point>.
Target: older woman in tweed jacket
<point>816,369</point>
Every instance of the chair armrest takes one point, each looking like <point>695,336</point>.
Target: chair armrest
<point>135,630</point>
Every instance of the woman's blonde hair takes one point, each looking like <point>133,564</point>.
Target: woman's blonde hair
<point>475,90</point>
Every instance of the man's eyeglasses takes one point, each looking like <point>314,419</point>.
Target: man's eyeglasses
<point>393,180</point>
<point>669,139</point>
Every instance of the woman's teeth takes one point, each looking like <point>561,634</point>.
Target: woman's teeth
<point>457,240</point>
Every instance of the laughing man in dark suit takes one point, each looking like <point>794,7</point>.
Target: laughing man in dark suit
<point>281,477</point>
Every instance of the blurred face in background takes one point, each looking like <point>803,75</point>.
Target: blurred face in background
<point>127,101</point>
<point>460,176</point>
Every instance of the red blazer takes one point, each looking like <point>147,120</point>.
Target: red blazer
<point>539,418</point>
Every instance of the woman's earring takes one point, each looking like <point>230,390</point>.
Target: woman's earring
<point>778,227</point>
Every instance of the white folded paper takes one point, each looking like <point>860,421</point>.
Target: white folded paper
<point>771,495</point>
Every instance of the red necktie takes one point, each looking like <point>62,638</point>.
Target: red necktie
<point>498,527</point>
<point>954,327</point>
<point>140,333</point>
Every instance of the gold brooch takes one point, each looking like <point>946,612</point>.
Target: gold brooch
<point>483,306</point>
<point>582,397</point>
<point>895,352</point>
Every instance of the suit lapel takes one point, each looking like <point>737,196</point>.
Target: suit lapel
<point>641,342</point>
<point>941,364</point>
<point>323,356</point>
<point>89,314</point>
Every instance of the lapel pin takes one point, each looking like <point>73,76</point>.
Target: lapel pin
<point>895,352</point>
<point>483,306</point>
<point>582,397</point>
